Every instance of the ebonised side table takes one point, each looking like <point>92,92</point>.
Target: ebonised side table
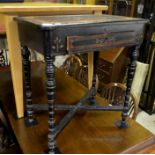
<point>59,35</point>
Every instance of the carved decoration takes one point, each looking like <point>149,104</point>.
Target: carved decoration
<point>57,45</point>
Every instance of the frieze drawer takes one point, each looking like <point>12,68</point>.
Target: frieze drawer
<point>99,41</point>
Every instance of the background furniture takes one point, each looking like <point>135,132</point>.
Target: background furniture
<point>9,11</point>
<point>114,93</point>
<point>76,66</point>
<point>72,65</point>
<point>147,55</point>
<point>111,67</point>
<point>121,7</point>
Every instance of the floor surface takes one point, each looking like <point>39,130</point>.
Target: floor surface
<point>146,120</point>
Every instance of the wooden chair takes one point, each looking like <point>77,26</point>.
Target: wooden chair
<point>72,65</point>
<point>82,76</point>
<point>114,93</point>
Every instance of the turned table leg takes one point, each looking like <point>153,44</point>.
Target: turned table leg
<point>131,72</point>
<point>50,86</point>
<point>50,74</point>
<point>29,120</point>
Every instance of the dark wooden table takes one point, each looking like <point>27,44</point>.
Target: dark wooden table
<point>58,35</point>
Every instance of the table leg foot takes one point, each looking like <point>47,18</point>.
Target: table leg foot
<point>30,122</point>
<point>122,124</point>
<point>55,151</point>
<point>92,101</point>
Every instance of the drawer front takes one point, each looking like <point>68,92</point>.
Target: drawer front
<point>99,41</point>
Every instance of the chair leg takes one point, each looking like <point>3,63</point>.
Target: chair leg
<point>29,120</point>
<point>131,71</point>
